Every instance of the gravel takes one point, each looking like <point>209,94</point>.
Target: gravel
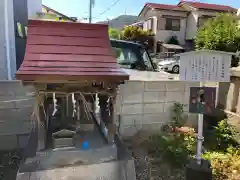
<point>149,167</point>
<point>9,164</point>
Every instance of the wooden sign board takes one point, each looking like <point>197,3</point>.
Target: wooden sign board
<point>205,66</point>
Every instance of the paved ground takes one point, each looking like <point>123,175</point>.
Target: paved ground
<point>67,164</point>
<point>74,163</point>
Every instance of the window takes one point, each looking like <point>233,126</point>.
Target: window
<point>172,24</point>
<point>125,57</point>
<point>177,58</point>
<point>150,24</point>
<point>202,20</point>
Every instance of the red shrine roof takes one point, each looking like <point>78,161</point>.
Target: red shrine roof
<point>66,51</point>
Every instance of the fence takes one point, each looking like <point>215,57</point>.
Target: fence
<point>145,105</point>
<point>16,107</point>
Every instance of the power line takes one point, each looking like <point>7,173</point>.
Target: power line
<point>109,7</point>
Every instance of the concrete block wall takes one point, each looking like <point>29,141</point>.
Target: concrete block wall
<point>145,105</point>
<point>16,107</point>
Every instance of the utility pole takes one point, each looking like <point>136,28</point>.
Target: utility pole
<point>91,2</point>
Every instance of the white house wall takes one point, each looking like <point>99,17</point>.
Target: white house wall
<point>165,35</point>
<point>192,28</point>
<point>11,39</point>
<point>3,62</point>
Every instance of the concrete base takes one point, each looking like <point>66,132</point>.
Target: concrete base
<point>198,172</point>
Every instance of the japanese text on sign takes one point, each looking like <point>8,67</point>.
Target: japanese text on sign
<point>212,67</point>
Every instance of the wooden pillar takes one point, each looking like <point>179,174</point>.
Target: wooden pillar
<point>41,123</point>
<point>104,110</point>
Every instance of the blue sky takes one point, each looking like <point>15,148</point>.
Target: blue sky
<point>79,8</point>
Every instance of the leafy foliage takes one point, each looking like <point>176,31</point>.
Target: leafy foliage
<point>226,166</point>
<point>173,147</point>
<point>225,134</point>
<point>178,115</point>
<point>223,152</point>
<point>114,33</point>
<point>133,33</point>
<point>221,33</point>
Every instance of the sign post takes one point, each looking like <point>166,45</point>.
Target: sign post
<point>204,66</point>
<point>202,101</point>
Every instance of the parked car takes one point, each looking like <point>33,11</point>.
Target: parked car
<point>170,65</point>
<point>131,55</point>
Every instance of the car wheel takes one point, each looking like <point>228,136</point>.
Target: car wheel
<point>175,69</point>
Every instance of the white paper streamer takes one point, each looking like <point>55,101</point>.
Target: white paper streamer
<point>74,104</point>
<point>54,104</point>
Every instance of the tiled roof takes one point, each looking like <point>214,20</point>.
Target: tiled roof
<point>69,51</point>
<point>216,7</point>
<point>60,14</point>
<point>163,6</point>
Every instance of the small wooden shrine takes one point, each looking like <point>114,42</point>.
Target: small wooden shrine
<point>75,73</point>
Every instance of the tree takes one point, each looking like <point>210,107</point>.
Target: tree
<point>221,33</point>
<point>114,33</point>
<point>137,34</point>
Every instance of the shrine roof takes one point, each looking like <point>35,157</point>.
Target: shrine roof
<point>62,51</point>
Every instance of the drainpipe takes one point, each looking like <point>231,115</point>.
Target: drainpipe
<point>7,44</point>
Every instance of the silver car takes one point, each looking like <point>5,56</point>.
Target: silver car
<point>170,64</point>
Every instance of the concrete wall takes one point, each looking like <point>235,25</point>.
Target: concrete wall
<point>147,104</point>
<point>229,96</point>
<point>16,107</point>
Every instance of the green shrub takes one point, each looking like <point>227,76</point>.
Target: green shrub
<point>175,148</point>
<point>224,134</point>
<point>178,115</point>
<point>225,165</point>
<point>223,152</point>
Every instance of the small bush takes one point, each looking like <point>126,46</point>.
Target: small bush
<point>223,137</point>
<point>173,40</point>
<point>178,115</point>
<point>173,147</point>
<point>226,166</point>
<point>223,152</point>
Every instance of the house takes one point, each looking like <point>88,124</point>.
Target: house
<point>200,13</point>
<point>12,46</point>
<point>181,21</point>
<point>50,13</point>
<point>15,15</point>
